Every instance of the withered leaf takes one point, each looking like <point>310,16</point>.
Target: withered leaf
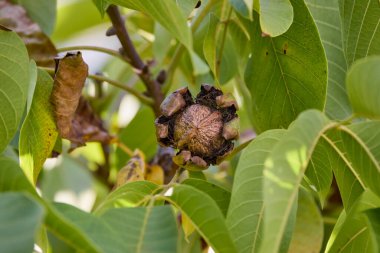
<point>70,74</point>
<point>39,46</point>
<point>87,126</point>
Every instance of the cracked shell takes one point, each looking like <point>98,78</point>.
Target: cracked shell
<point>202,128</point>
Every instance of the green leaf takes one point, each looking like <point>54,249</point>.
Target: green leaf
<point>283,174</point>
<point>148,230</point>
<point>20,218</point>
<point>167,13</point>
<point>46,18</point>
<point>187,6</point>
<point>205,216</point>
<point>241,7</point>
<point>102,6</point>
<point>39,131</point>
<point>245,213</point>
<point>220,195</point>
<point>362,160</point>
<point>374,222</point>
<point>12,178</point>
<point>349,183</point>
<point>14,81</point>
<point>369,133</point>
<point>287,74</point>
<point>32,84</point>
<point>363,86</point>
<point>127,195</point>
<point>132,137</point>
<point>276,16</point>
<point>353,231</point>
<point>209,45</point>
<point>327,19</point>
<point>142,229</point>
<point>308,230</point>
<point>361,28</point>
<point>319,172</point>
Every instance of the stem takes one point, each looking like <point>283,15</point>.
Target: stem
<point>141,97</point>
<point>94,48</point>
<point>123,147</point>
<point>180,48</point>
<point>153,87</point>
<point>224,36</point>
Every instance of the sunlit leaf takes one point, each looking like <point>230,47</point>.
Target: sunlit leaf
<point>209,45</point>
<point>39,132</point>
<point>14,82</point>
<point>245,213</point>
<point>283,174</point>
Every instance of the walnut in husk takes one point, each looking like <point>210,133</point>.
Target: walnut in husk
<point>202,129</point>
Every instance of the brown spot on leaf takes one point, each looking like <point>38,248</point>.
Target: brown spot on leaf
<point>39,46</point>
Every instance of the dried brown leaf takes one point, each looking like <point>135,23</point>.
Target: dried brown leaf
<point>133,171</point>
<point>70,74</point>
<point>40,47</point>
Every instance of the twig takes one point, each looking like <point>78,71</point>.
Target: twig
<point>94,48</point>
<point>136,93</point>
<point>153,87</point>
<point>224,36</point>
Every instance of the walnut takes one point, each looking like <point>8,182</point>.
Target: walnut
<point>203,130</point>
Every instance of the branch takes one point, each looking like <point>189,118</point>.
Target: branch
<point>153,87</point>
<point>94,48</point>
<point>136,93</point>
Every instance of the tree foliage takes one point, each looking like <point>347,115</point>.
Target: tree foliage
<point>304,175</point>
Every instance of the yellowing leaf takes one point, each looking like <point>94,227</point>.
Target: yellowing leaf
<point>187,226</point>
<point>133,170</point>
<point>155,174</point>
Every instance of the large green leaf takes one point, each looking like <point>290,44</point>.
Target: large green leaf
<point>327,19</point>
<point>362,160</point>
<point>143,229</point>
<point>374,222</point>
<point>308,230</point>
<point>39,131</point>
<point>205,215</point>
<point>127,195</point>
<point>20,218</point>
<point>14,81</point>
<point>148,230</point>
<point>363,88</point>
<point>220,195</point>
<point>46,18</point>
<point>245,214</point>
<point>287,74</point>
<point>283,173</point>
<point>361,28</point>
<point>167,13</point>
<point>276,16</point>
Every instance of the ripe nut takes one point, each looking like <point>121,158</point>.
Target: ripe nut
<point>202,128</point>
